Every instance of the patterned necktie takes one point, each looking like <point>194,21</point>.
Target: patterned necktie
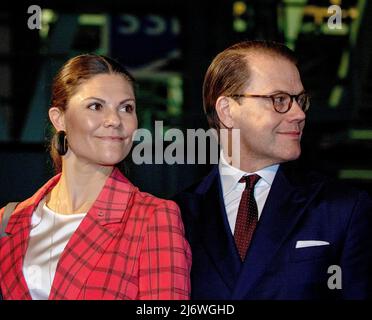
<point>247,218</point>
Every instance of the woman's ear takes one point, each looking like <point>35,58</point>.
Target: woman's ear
<point>223,109</point>
<point>57,117</point>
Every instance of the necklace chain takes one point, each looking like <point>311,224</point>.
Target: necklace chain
<point>52,243</point>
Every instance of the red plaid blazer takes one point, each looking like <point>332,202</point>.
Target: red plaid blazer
<point>130,245</point>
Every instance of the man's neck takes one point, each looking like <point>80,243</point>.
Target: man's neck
<point>248,163</point>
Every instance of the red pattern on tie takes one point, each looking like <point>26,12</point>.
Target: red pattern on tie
<point>247,218</point>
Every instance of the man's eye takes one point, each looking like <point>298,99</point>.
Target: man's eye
<point>95,106</point>
<point>303,99</point>
<point>280,99</point>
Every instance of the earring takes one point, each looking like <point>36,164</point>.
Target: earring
<point>60,142</point>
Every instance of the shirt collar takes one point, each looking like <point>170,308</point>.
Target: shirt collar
<point>232,175</point>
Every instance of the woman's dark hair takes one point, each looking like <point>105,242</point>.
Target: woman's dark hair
<point>74,72</point>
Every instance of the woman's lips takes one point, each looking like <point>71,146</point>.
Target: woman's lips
<point>111,138</point>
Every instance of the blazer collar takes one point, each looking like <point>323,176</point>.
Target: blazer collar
<point>103,221</point>
<point>107,212</point>
<point>21,217</point>
<point>108,207</point>
<point>112,202</point>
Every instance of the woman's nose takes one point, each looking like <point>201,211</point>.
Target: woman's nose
<point>112,119</point>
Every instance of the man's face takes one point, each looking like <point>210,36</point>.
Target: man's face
<point>268,137</point>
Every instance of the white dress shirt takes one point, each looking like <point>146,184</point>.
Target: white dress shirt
<point>232,190</point>
<point>50,233</point>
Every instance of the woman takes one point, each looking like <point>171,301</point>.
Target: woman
<point>88,233</point>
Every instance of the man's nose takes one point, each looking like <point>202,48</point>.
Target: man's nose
<point>296,111</point>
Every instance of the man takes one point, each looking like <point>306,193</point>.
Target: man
<point>261,229</point>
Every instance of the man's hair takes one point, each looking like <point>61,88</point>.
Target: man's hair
<point>229,72</point>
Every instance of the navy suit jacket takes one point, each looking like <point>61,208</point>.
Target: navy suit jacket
<point>299,207</point>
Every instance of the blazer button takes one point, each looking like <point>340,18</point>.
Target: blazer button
<point>101,214</point>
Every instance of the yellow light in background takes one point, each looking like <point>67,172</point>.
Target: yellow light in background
<point>353,13</point>
<point>239,8</point>
<point>239,23</point>
<point>336,2</point>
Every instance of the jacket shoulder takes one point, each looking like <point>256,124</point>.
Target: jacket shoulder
<point>332,188</point>
<point>200,186</point>
<point>152,203</point>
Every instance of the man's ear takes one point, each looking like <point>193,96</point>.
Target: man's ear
<point>223,109</point>
<point>57,117</point>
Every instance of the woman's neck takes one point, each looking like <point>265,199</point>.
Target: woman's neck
<point>78,188</point>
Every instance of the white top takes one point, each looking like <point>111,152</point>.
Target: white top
<point>50,232</point>
<point>232,190</point>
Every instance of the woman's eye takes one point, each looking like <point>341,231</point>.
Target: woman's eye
<point>95,106</point>
<point>127,108</point>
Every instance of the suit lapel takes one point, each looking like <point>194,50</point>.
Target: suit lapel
<point>284,206</point>
<point>97,230</point>
<point>216,235</point>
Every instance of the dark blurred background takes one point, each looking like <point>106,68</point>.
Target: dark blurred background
<point>168,45</point>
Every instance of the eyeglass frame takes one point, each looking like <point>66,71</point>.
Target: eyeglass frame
<point>271,96</point>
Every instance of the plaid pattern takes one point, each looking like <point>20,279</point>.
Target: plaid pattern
<point>130,245</point>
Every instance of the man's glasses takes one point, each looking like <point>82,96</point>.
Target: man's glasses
<point>282,101</point>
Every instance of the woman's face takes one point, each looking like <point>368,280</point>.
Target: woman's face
<point>100,120</point>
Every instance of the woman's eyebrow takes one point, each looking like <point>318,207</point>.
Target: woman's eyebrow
<point>103,101</point>
<point>125,100</point>
<point>95,98</point>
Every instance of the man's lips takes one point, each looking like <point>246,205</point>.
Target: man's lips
<point>291,133</point>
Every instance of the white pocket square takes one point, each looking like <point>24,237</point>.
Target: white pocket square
<point>310,243</point>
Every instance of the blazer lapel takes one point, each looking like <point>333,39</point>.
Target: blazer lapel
<point>94,234</point>
<point>14,246</point>
<point>216,235</point>
<point>284,206</point>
